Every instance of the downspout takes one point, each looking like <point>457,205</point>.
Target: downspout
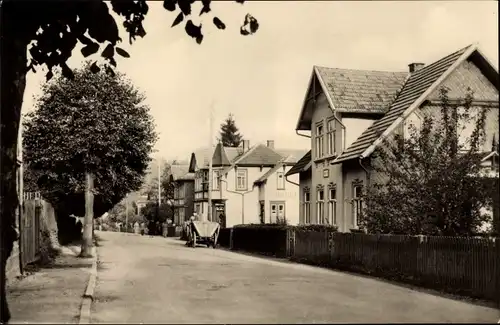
<point>366,170</point>
<point>242,199</point>
<point>302,135</point>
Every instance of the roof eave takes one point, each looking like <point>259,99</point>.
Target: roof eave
<point>300,126</point>
<point>417,102</point>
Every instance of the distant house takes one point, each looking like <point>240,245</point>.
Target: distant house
<point>278,194</point>
<point>350,112</point>
<point>199,164</point>
<point>183,202</point>
<point>241,178</point>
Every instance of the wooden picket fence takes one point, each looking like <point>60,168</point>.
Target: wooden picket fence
<point>469,266</point>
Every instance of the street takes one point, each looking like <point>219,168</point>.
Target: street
<point>157,280</point>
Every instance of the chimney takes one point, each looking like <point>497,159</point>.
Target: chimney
<point>246,145</point>
<point>415,66</point>
<point>270,144</point>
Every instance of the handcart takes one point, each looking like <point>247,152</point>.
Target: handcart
<point>203,232</point>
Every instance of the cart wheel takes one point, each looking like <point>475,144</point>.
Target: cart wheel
<point>215,241</point>
<point>194,240</point>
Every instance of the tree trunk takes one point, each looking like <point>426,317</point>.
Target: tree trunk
<point>89,216</point>
<point>13,81</point>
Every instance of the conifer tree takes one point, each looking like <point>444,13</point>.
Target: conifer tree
<point>229,133</point>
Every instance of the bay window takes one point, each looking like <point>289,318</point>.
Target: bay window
<point>330,137</point>
<point>319,140</point>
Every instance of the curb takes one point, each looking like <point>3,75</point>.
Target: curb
<point>88,296</point>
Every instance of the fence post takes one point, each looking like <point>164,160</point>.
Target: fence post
<point>290,242</point>
<point>497,269</point>
<point>231,239</point>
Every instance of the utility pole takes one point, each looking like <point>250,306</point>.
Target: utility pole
<point>210,158</point>
<point>159,182</point>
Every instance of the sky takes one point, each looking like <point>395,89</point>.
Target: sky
<point>262,79</point>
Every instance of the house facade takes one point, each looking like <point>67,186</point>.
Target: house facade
<point>236,197</point>
<point>350,112</point>
<point>183,201</point>
<point>278,196</point>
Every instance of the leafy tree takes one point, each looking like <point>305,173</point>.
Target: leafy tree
<point>51,32</point>
<point>94,123</point>
<point>154,213</point>
<point>229,135</point>
<point>432,184</point>
<point>119,213</point>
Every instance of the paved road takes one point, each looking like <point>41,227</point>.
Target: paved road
<point>155,280</point>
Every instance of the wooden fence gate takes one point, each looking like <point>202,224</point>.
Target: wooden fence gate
<point>29,228</point>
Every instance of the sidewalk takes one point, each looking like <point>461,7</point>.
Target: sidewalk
<point>53,294</point>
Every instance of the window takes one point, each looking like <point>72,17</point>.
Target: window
<point>181,192</point>
<point>307,207</point>
<point>197,208</point>
<point>320,206</point>
<point>215,180</point>
<point>182,214</point>
<point>241,180</point>
<point>281,213</point>
<point>319,140</point>
<point>176,193</point>
<point>332,206</point>
<point>281,180</point>
<point>357,203</point>
<point>330,137</point>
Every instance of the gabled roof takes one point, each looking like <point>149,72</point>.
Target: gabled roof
<point>301,165</point>
<point>292,155</point>
<point>418,87</point>
<point>261,155</point>
<point>200,157</point>
<point>178,171</point>
<point>355,91</point>
<point>271,171</point>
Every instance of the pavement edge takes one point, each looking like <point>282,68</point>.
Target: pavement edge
<point>88,296</point>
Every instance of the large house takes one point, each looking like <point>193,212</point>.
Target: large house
<point>183,202</point>
<point>249,184</point>
<point>350,112</point>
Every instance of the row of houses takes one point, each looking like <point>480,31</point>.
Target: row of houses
<point>248,186</point>
<point>347,114</point>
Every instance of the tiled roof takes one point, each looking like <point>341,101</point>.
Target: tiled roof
<point>292,155</point>
<point>299,166</point>
<point>416,85</point>
<point>178,171</point>
<point>187,177</point>
<point>261,155</point>
<point>269,173</point>
<point>219,157</point>
<point>202,155</point>
<point>361,90</point>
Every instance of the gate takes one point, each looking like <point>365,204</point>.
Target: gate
<point>29,228</point>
